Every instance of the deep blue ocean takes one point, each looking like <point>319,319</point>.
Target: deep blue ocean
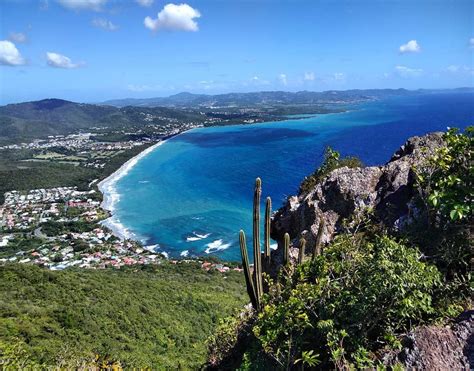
<point>191,195</point>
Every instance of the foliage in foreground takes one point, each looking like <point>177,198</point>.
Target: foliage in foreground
<point>152,317</point>
<point>368,287</point>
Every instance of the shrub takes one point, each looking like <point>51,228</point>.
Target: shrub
<point>339,308</point>
<point>445,204</point>
<point>332,160</point>
<point>447,178</point>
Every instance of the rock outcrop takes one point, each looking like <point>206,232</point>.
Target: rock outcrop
<point>449,347</point>
<point>388,190</point>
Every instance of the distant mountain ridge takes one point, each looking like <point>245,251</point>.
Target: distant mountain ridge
<point>36,119</point>
<point>186,99</point>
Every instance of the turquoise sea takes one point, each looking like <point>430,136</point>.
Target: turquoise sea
<point>191,195</point>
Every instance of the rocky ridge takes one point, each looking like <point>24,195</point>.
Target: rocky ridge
<point>388,190</point>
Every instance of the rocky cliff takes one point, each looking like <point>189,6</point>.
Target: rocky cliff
<point>388,190</point>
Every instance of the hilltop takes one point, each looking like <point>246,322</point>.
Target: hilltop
<point>25,121</point>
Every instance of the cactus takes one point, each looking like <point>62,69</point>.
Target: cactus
<point>254,281</point>
<point>266,252</point>
<point>286,249</point>
<point>246,267</point>
<point>301,250</point>
<point>257,254</point>
<point>317,245</point>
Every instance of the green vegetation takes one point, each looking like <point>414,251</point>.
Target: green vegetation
<point>155,316</point>
<point>332,160</point>
<point>368,287</point>
<point>448,176</point>
<point>17,174</point>
<point>53,228</point>
<point>31,120</point>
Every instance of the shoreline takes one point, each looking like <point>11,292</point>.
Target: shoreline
<point>111,197</point>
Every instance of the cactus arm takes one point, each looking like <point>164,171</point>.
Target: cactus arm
<point>319,236</point>
<point>286,249</point>
<point>301,250</point>
<point>246,268</point>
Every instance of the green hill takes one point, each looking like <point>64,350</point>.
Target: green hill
<point>151,317</point>
<point>24,121</point>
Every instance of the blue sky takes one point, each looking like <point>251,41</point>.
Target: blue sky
<point>94,50</point>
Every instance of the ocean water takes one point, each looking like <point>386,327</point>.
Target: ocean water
<point>191,195</point>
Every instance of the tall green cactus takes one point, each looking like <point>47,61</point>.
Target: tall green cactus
<point>257,253</point>
<point>301,250</point>
<point>319,235</point>
<point>254,281</point>
<point>247,273</point>
<point>286,249</point>
<point>266,251</point>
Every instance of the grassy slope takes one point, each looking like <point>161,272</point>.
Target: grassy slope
<point>159,316</point>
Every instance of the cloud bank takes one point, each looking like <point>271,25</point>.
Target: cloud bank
<point>9,54</point>
<point>175,18</point>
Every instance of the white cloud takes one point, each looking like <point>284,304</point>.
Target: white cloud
<point>18,37</point>
<point>283,79</point>
<point>309,76</point>
<point>411,46</point>
<point>404,71</point>
<point>471,42</point>
<point>95,5</point>
<point>145,3</point>
<point>9,54</point>
<point>174,17</point>
<point>104,24</point>
<point>60,61</point>
<point>339,76</point>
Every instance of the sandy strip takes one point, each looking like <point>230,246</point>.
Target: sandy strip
<point>111,196</point>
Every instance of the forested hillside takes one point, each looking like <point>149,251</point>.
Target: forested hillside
<point>137,317</point>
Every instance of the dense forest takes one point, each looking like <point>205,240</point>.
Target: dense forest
<point>136,317</point>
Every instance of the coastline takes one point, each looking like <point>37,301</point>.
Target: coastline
<point>110,195</point>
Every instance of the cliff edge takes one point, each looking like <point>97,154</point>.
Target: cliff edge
<point>387,190</point>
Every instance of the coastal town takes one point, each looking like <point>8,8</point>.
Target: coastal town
<point>60,227</point>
